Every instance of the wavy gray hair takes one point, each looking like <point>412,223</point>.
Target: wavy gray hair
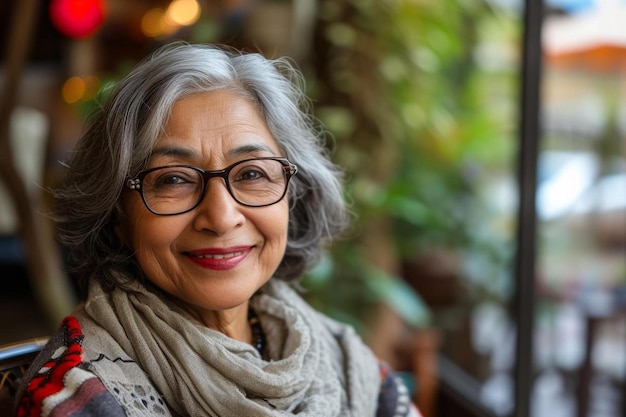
<point>120,136</point>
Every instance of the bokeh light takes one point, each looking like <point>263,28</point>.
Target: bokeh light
<point>76,89</point>
<point>184,12</point>
<point>77,18</point>
<point>159,23</point>
<point>151,22</point>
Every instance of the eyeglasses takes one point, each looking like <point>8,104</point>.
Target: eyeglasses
<point>177,189</point>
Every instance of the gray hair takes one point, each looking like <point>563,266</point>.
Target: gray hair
<point>120,136</point>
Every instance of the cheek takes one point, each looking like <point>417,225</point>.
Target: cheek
<point>145,232</point>
<point>275,226</point>
<point>155,236</point>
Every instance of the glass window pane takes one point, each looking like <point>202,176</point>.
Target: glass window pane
<point>581,206</point>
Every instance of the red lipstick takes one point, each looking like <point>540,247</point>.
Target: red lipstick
<point>220,259</point>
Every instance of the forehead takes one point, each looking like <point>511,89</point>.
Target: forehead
<point>215,122</point>
<point>219,106</point>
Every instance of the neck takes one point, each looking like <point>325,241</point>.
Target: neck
<point>232,322</point>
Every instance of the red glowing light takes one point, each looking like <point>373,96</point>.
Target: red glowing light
<point>77,18</point>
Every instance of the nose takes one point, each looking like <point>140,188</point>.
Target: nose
<point>218,211</point>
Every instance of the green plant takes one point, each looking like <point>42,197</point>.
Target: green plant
<point>421,120</point>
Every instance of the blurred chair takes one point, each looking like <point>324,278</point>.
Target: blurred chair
<point>14,361</point>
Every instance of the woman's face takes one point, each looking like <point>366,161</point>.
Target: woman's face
<point>217,255</point>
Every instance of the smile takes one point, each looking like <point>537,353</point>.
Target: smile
<point>220,255</point>
<point>219,259</point>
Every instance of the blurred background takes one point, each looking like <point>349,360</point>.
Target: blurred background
<point>440,112</point>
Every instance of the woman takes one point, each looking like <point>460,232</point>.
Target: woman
<point>196,194</point>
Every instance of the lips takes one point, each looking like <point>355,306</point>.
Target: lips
<point>220,255</point>
<point>220,259</point>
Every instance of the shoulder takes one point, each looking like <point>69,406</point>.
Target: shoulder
<point>394,398</point>
<point>59,382</point>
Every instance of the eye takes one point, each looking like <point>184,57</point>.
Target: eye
<point>250,174</point>
<point>171,177</point>
<point>252,171</point>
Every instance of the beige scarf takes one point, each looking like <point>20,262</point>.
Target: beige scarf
<point>145,350</point>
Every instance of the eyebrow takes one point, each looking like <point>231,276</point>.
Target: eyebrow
<point>172,151</point>
<point>238,151</point>
<point>250,148</point>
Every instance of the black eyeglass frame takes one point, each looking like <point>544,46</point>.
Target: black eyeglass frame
<point>289,169</point>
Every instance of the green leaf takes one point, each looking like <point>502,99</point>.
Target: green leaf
<point>396,293</point>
